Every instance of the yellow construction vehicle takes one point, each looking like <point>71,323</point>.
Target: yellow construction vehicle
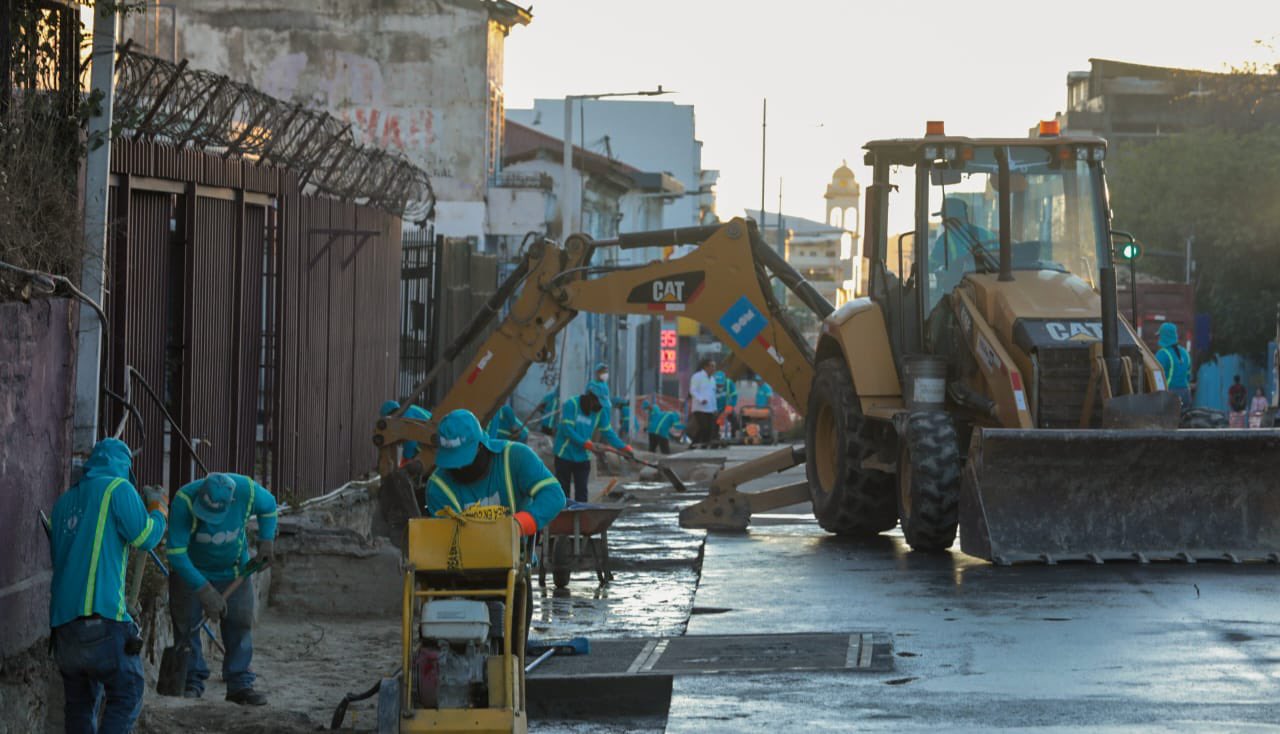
<point>985,382</point>
<point>463,629</point>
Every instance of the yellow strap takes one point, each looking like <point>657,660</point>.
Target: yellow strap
<point>92,582</point>
<point>448,493</point>
<point>542,485</point>
<point>506,468</point>
<point>175,551</point>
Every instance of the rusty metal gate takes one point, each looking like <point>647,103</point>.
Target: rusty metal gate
<point>265,320</point>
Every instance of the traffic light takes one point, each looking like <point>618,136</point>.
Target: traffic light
<point>1130,251</point>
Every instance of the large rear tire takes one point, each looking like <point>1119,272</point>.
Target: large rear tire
<point>847,499</point>
<point>929,481</point>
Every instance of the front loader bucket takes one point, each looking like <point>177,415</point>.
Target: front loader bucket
<point>1049,495</point>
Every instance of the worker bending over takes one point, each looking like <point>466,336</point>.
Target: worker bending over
<point>409,449</point>
<point>95,641</point>
<point>662,426</point>
<point>474,470</point>
<point>581,418</point>
<point>208,550</point>
<point>506,426</point>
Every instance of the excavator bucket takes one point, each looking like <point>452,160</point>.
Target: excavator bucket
<point>1049,495</point>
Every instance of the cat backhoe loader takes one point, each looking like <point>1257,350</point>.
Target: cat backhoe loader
<point>986,382</point>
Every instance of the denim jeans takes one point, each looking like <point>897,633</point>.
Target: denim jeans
<point>236,628</point>
<point>90,654</point>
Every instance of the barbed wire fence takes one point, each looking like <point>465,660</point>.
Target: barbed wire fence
<point>162,100</point>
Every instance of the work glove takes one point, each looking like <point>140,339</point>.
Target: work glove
<point>214,605</point>
<point>266,551</point>
<point>628,450</point>
<point>728,410</point>
<point>589,446</point>
<point>157,499</point>
<point>528,526</point>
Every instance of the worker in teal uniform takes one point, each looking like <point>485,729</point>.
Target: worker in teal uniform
<point>582,418</point>
<point>1175,363</point>
<point>506,426</point>
<point>961,243</point>
<point>473,469</point>
<point>726,401</point>
<point>661,426</point>
<point>625,423</point>
<point>600,385</point>
<point>547,409</point>
<point>96,642</point>
<point>409,449</point>
<point>764,392</point>
<point>208,550</point>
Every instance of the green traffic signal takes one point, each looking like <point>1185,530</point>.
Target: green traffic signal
<point>1130,251</point>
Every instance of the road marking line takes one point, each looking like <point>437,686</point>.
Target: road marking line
<point>644,655</point>
<point>865,647</point>
<point>855,645</point>
<point>653,659</point>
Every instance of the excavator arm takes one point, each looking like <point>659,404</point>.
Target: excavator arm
<point>726,284</point>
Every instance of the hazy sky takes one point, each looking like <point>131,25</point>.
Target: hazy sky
<point>839,73</point>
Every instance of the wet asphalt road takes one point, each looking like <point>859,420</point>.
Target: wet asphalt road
<point>1119,647</point>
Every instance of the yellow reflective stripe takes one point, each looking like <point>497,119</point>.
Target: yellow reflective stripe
<point>190,510</point>
<point>146,532</point>
<point>448,493</point>
<point>175,551</point>
<point>244,526</point>
<point>92,582</point>
<point>506,468</point>
<point>269,514</point>
<point>541,485</point>
<point>124,563</point>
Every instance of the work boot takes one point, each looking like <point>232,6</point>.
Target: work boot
<point>191,693</point>
<point>247,697</point>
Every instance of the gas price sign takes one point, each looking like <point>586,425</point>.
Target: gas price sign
<point>667,351</point>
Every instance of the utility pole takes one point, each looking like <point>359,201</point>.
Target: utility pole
<point>96,181</point>
<point>764,142</point>
<point>576,347</point>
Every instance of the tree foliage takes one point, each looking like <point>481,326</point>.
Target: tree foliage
<point>1223,190</point>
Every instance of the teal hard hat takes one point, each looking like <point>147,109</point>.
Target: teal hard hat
<point>213,500</point>
<point>459,437</point>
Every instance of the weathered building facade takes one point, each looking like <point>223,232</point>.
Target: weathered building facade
<point>419,77</point>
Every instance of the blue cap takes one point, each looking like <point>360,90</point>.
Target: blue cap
<point>459,437</point>
<point>213,500</point>
<point>388,408</point>
<point>601,367</point>
<point>644,405</point>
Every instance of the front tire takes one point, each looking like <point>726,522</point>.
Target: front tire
<point>847,499</point>
<point>929,481</point>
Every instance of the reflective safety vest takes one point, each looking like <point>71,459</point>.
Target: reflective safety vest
<point>510,494</point>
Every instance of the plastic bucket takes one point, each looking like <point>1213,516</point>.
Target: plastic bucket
<point>924,380</point>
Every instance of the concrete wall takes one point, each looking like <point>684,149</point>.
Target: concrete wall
<point>37,367</point>
<point>409,75</point>
<point>36,371</point>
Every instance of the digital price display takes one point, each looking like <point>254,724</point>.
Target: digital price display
<point>668,346</point>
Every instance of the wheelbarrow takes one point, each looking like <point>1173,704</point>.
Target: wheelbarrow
<point>579,526</point>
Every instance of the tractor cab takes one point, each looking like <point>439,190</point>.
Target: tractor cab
<point>943,208</point>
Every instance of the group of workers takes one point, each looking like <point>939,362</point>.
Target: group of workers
<point>96,641</point>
